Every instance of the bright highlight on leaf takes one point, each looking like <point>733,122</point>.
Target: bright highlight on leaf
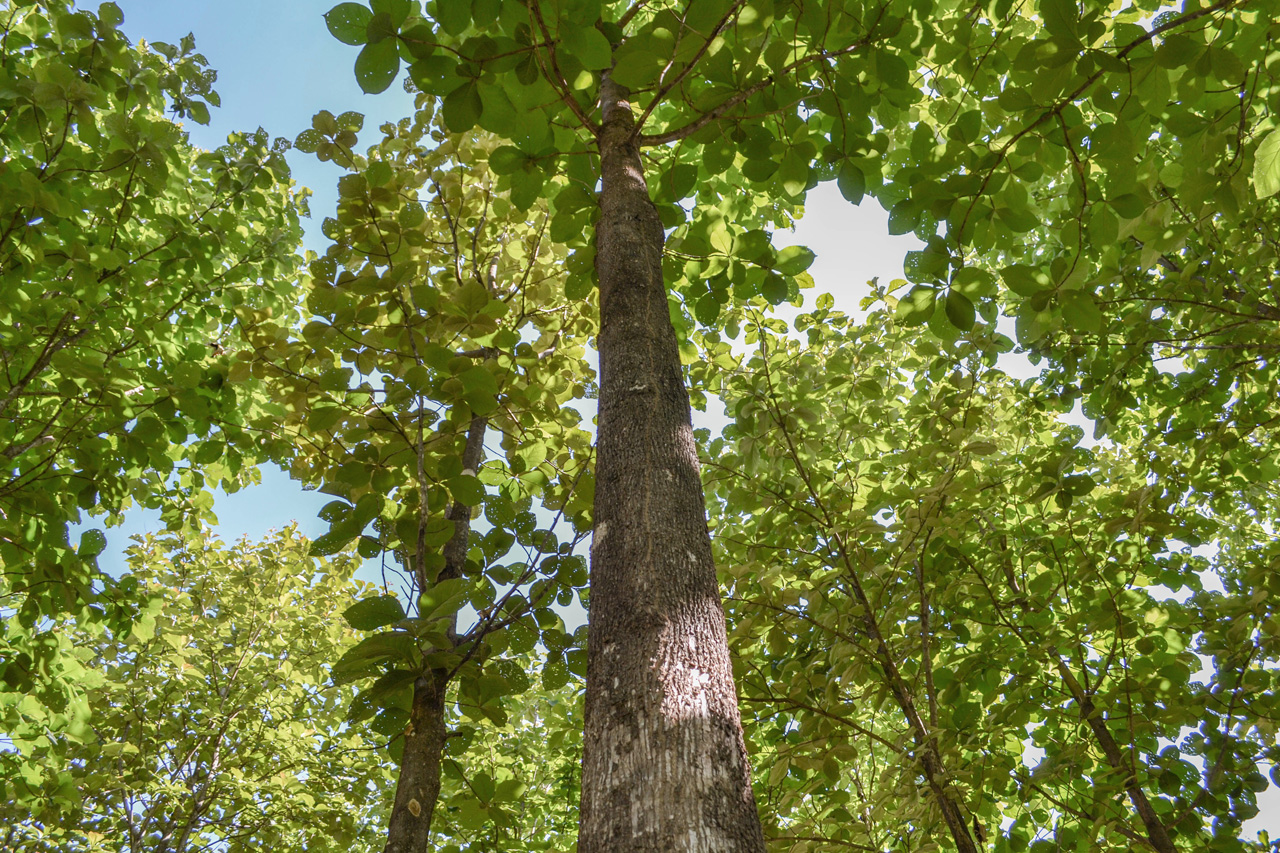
<point>1266,166</point>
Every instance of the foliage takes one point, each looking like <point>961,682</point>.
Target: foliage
<point>506,786</point>
<point>1104,173</point>
<point>214,722</point>
<point>437,326</point>
<point>127,259</point>
<point>922,557</point>
<point>438,313</point>
<point>946,605</point>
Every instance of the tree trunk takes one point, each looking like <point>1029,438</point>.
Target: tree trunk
<point>418,786</point>
<point>1157,832</point>
<point>664,763</point>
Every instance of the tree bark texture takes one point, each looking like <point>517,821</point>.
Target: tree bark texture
<point>418,785</point>
<point>664,763</point>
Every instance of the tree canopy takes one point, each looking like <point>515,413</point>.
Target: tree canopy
<point>951,618</point>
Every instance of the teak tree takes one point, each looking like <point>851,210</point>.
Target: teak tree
<point>922,556</point>
<point>437,325</point>
<point>970,115</point>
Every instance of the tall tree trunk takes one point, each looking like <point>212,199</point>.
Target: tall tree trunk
<point>418,786</point>
<point>664,763</point>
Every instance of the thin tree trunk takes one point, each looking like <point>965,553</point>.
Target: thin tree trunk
<point>418,786</point>
<point>664,762</point>
<point>1157,832</point>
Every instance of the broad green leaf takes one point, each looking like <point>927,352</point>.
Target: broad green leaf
<point>851,182</point>
<point>794,260</point>
<point>588,46</point>
<point>397,10</point>
<point>637,68</point>
<point>453,15</point>
<point>1081,312</point>
<point>466,490</point>
<point>959,310</point>
<point>1060,17</point>
<point>1266,166</point>
<point>1024,280</point>
<point>506,159</point>
<point>390,721</point>
<point>443,599</point>
<point>377,65</point>
<point>462,107</point>
<point>366,657</point>
<point>917,306</point>
<point>774,289</point>
<point>707,309</point>
<point>369,614</point>
<point>92,543</point>
<point>348,22</point>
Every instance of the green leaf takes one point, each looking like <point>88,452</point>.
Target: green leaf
<point>390,721</point>
<point>637,68</point>
<point>92,543</point>
<point>381,27</point>
<point>1128,205</point>
<point>454,16</point>
<point>917,306</point>
<point>377,65</point>
<point>1060,17</point>
<point>349,22</point>
<point>369,547</point>
<point>774,289</point>
<point>1078,484</point>
<point>462,107</point>
<point>851,182</point>
<point>332,542</point>
<point>555,673</point>
<point>479,388</point>
<point>793,174</point>
<point>1026,281</point>
<point>371,613</point>
<point>588,45</point>
<point>959,310</point>
<point>707,308</point>
<point>365,657</point>
<point>794,260</point>
<point>1266,166</point>
<point>507,159</point>
<point>199,112</point>
<point>1081,312</point>
<point>443,599</point>
<point>903,218</point>
<point>397,10</point>
<point>466,489</point>
<point>974,283</point>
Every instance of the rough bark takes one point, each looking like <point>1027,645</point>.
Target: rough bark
<point>664,762</point>
<point>418,785</point>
